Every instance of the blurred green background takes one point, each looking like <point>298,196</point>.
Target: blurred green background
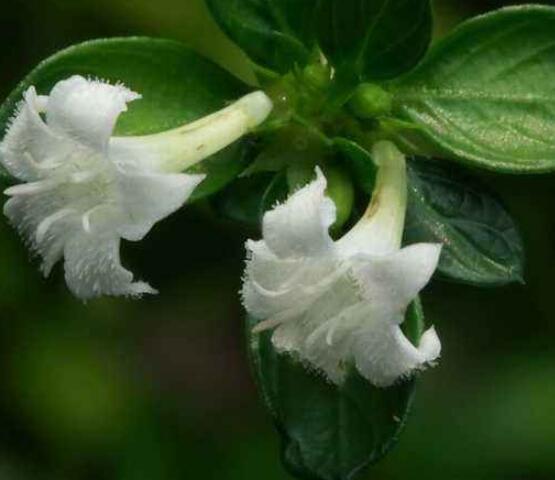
<point>160,390</point>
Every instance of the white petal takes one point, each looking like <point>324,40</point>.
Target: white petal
<point>289,336</point>
<point>430,345</point>
<point>305,330</point>
<point>299,227</point>
<point>29,142</point>
<point>47,223</point>
<point>103,218</point>
<point>358,334</point>
<point>40,222</point>
<point>148,198</point>
<point>87,110</point>
<point>93,268</point>
<point>395,280</point>
<point>329,347</point>
<point>273,285</point>
<point>383,354</point>
<point>32,188</point>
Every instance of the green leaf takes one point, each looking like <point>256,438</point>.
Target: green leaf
<point>374,38</point>
<point>178,86</point>
<point>359,162</point>
<point>247,199</point>
<point>482,245</point>
<point>276,34</point>
<point>329,432</point>
<point>221,169</point>
<point>485,94</point>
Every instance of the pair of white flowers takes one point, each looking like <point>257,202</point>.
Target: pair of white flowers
<point>331,303</point>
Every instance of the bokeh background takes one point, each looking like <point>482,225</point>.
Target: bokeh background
<point>160,390</point>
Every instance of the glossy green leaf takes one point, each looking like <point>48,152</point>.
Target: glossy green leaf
<point>276,34</point>
<point>485,94</point>
<point>482,245</point>
<point>177,85</point>
<point>374,38</point>
<point>329,432</point>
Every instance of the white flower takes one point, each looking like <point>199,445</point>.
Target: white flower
<point>335,303</point>
<point>85,190</point>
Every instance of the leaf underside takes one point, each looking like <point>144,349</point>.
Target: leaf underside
<point>481,243</point>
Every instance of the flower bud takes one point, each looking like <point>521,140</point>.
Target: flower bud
<point>370,101</point>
